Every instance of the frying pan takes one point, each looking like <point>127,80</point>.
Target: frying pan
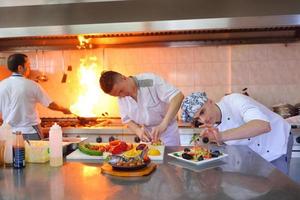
<point>85,120</point>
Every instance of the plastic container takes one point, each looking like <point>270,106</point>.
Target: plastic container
<point>19,151</point>
<point>55,146</point>
<point>10,137</point>
<point>37,151</point>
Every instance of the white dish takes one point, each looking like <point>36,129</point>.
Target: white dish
<point>78,155</point>
<point>196,162</point>
<point>162,152</point>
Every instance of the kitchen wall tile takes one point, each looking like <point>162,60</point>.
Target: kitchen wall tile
<point>222,54</point>
<point>167,71</point>
<point>296,50</point>
<point>276,70</point>
<point>186,90</point>
<point>240,73</point>
<point>240,53</point>
<point>185,56</point>
<point>293,70</point>
<point>270,71</point>
<point>203,74</point>
<point>257,52</point>
<point>281,52</point>
<point>185,74</point>
<point>133,56</point>
<point>150,56</point>
<point>204,54</point>
<point>167,55</point>
<point>220,73</point>
<point>213,92</point>
<point>212,54</point>
<point>249,53</point>
<point>262,73</point>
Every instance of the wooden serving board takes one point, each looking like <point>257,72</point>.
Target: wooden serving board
<point>107,169</point>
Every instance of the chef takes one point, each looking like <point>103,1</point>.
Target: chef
<point>240,120</point>
<point>148,105</point>
<point>19,97</point>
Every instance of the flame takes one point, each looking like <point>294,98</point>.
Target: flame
<point>84,43</point>
<point>90,101</point>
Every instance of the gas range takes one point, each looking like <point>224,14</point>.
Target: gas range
<point>74,122</point>
<point>96,130</point>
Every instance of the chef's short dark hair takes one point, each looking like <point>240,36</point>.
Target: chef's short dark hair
<point>108,79</point>
<point>15,60</point>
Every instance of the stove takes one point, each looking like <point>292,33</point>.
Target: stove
<point>77,123</point>
<point>296,142</point>
<point>97,130</point>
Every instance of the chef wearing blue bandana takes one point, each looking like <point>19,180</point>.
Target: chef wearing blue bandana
<point>240,120</point>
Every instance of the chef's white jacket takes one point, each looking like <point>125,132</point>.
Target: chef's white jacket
<point>238,109</point>
<point>18,99</point>
<point>153,98</point>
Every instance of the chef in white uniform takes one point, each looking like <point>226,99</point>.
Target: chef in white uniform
<point>19,97</point>
<point>148,105</point>
<point>240,120</point>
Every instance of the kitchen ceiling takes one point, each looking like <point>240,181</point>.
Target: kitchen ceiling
<point>148,23</point>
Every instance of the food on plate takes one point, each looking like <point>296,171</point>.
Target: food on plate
<point>141,146</point>
<point>130,160</point>
<point>92,149</point>
<point>153,152</point>
<point>158,143</point>
<point>114,147</point>
<point>118,147</point>
<point>132,153</point>
<point>198,154</point>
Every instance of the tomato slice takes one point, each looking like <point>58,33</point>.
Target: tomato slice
<point>117,149</point>
<point>114,143</point>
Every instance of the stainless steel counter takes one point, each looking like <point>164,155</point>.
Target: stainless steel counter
<point>242,175</point>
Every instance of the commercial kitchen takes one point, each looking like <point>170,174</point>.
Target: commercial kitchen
<point>248,47</point>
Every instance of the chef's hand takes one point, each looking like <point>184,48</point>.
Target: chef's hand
<point>143,134</point>
<point>66,111</point>
<point>157,131</point>
<point>212,134</point>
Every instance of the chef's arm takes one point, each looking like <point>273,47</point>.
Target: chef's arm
<point>139,131</point>
<point>56,107</point>
<point>250,129</point>
<point>133,126</point>
<point>174,106</point>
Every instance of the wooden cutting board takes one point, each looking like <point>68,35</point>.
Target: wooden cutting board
<point>107,169</point>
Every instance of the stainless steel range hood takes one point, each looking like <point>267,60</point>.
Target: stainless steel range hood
<point>148,23</point>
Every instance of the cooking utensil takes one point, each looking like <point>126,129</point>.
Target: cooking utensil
<point>86,120</point>
<point>64,78</point>
<point>69,68</point>
<point>42,77</point>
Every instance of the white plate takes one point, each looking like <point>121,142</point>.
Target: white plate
<point>162,152</point>
<point>78,155</point>
<point>197,162</point>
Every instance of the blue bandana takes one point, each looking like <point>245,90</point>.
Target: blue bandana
<point>191,104</point>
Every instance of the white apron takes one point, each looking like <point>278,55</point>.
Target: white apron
<point>153,99</point>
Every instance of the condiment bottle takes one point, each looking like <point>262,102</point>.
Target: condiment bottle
<point>19,151</point>
<point>8,156</point>
<point>55,145</point>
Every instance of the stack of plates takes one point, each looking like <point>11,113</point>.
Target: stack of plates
<point>285,110</point>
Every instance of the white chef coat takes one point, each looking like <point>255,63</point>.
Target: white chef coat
<point>238,109</point>
<point>18,99</point>
<point>153,98</point>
